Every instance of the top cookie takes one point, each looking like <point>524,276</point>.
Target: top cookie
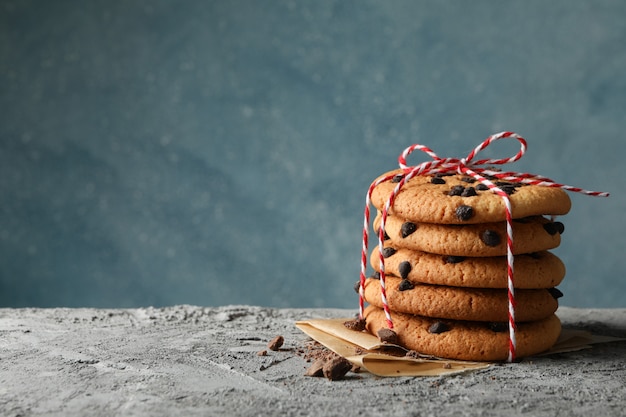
<point>458,199</point>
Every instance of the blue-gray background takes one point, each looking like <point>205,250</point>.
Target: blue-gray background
<point>218,152</point>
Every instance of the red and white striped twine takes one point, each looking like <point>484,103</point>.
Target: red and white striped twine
<point>466,166</point>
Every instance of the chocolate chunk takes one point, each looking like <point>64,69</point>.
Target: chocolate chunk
<point>437,180</point>
<point>490,238</point>
<point>498,326</point>
<point>408,228</point>
<point>468,180</point>
<point>555,293</point>
<point>482,187</point>
<point>438,327</point>
<point>356,324</point>
<point>560,227</point>
<point>456,190</point>
<point>405,285</point>
<point>404,268</point>
<point>388,336</point>
<point>450,259</point>
<point>397,178</point>
<point>388,251</point>
<point>469,192</point>
<point>316,369</point>
<point>357,286</point>
<point>276,343</point>
<point>375,275</point>
<point>550,228</point>
<point>336,368</point>
<point>385,235</point>
<point>464,212</point>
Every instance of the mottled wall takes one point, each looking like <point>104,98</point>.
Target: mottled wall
<point>218,152</point>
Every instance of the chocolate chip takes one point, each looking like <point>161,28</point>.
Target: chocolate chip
<point>438,327</point>
<point>357,286</point>
<point>469,192</point>
<point>560,227</point>
<point>388,251</point>
<point>508,189</point>
<point>375,275</point>
<point>490,238</point>
<point>482,187</point>
<point>356,324</point>
<point>450,259</point>
<point>388,336</point>
<point>397,178</point>
<point>336,368</point>
<point>498,326</point>
<point>550,228</point>
<point>468,180</point>
<point>555,293</point>
<point>408,228</point>
<point>405,285</point>
<point>456,190</point>
<point>404,268</point>
<point>437,180</point>
<point>464,212</point>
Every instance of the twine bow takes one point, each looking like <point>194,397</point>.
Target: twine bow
<point>466,166</point>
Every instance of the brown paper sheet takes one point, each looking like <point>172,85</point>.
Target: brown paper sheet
<point>366,351</point>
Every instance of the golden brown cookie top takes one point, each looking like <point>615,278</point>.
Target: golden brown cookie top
<point>459,199</point>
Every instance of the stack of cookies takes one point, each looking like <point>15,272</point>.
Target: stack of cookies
<point>446,266</point>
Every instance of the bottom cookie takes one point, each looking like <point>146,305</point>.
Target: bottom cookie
<point>465,340</point>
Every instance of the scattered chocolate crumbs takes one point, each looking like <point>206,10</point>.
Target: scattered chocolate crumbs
<point>404,268</point>
<point>456,190</point>
<point>437,180</point>
<point>412,354</point>
<point>356,324</point>
<point>451,259</point>
<point>469,192</point>
<point>388,251</point>
<point>555,293</point>
<point>408,228</point>
<point>276,343</point>
<point>336,368</point>
<point>397,178</point>
<point>464,212</point>
<point>262,353</point>
<point>498,326</point>
<point>482,187</point>
<point>405,285</point>
<point>388,336</point>
<point>438,327</point>
<point>490,238</point>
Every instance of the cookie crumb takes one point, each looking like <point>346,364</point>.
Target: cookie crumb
<point>262,353</point>
<point>388,336</point>
<point>276,343</point>
<point>447,365</point>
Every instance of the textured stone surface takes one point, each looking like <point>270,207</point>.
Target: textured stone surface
<point>186,360</point>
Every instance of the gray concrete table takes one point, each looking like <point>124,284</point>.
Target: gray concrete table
<point>186,360</point>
